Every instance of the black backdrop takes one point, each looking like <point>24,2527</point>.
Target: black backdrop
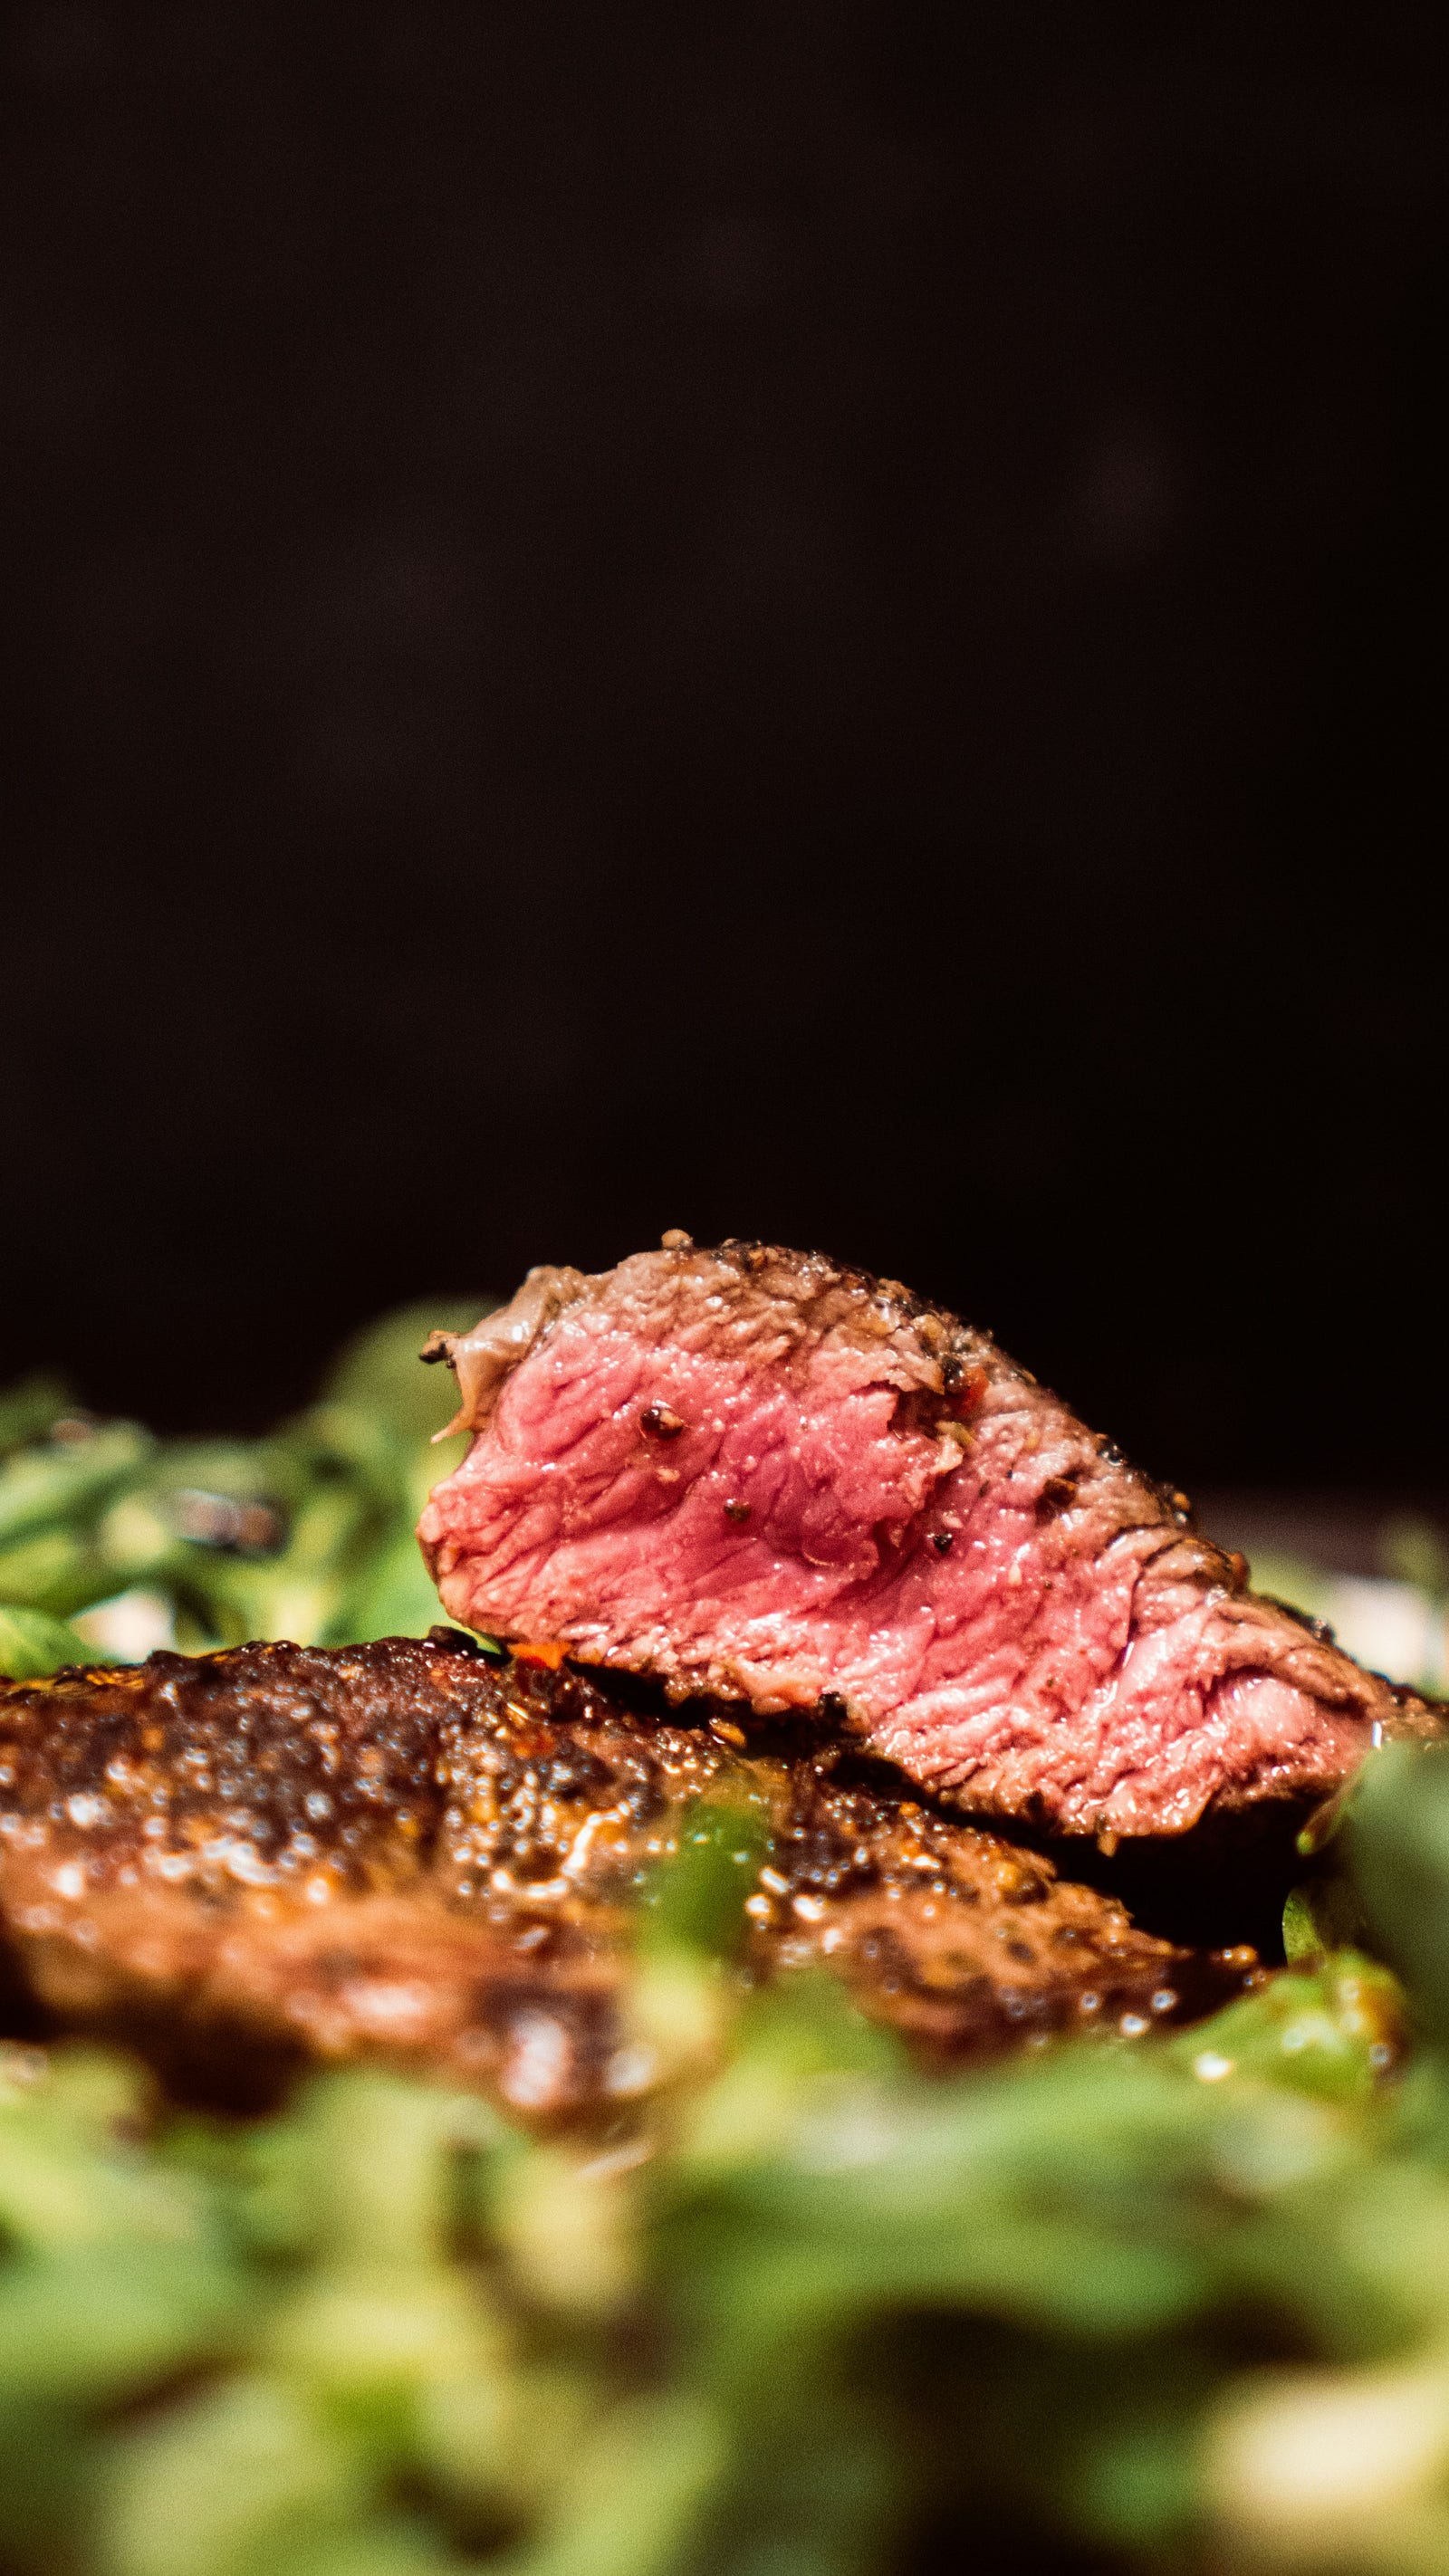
<point>816,620</point>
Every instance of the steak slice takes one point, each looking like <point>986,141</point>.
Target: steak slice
<point>407,1851</point>
<point>753,1473</point>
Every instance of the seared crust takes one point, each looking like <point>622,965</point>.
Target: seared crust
<point>407,1850</point>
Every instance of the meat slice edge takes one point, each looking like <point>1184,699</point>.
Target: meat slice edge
<point>754,1473</point>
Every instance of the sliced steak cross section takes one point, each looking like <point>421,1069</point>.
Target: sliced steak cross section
<point>753,1473</point>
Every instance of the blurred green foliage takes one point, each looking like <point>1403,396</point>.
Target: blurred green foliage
<point>31,1643</point>
<point>816,2305</point>
<point>1396,1830</point>
<point>306,1534</point>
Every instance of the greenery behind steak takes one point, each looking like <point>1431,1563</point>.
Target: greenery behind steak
<point>1169,2302</point>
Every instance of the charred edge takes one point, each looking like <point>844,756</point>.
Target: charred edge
<point>459,1641</point>
<point>1318,1629</point>
<point>746,1254</point>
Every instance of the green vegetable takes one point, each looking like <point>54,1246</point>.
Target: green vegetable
<point>696,1902</point>
<point>247,2476</point>
<point>377,1376</point>
<point>1332,2031</point>
<point>625,2502</point>
<point>50,1483</point>
<point>28,1410</point>
<point>54,1570</point>
<point>32,1643</point>
<point>1397,1827</point>
<point>307,1534</point>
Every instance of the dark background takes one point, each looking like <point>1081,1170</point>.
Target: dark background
<point>809,620</point>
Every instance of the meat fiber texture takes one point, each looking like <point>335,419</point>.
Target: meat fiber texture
<point>753,1473</point>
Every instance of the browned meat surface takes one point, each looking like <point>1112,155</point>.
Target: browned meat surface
<point>412,1851</point>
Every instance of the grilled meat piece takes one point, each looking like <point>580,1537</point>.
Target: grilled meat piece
<point>413,1851</point>
<point>754,1473</point>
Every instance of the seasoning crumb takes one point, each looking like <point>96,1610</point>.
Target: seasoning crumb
<point>661,1422</point>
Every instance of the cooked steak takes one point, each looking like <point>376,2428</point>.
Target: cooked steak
<point>753,1473</point>
<point>413,1851</point>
